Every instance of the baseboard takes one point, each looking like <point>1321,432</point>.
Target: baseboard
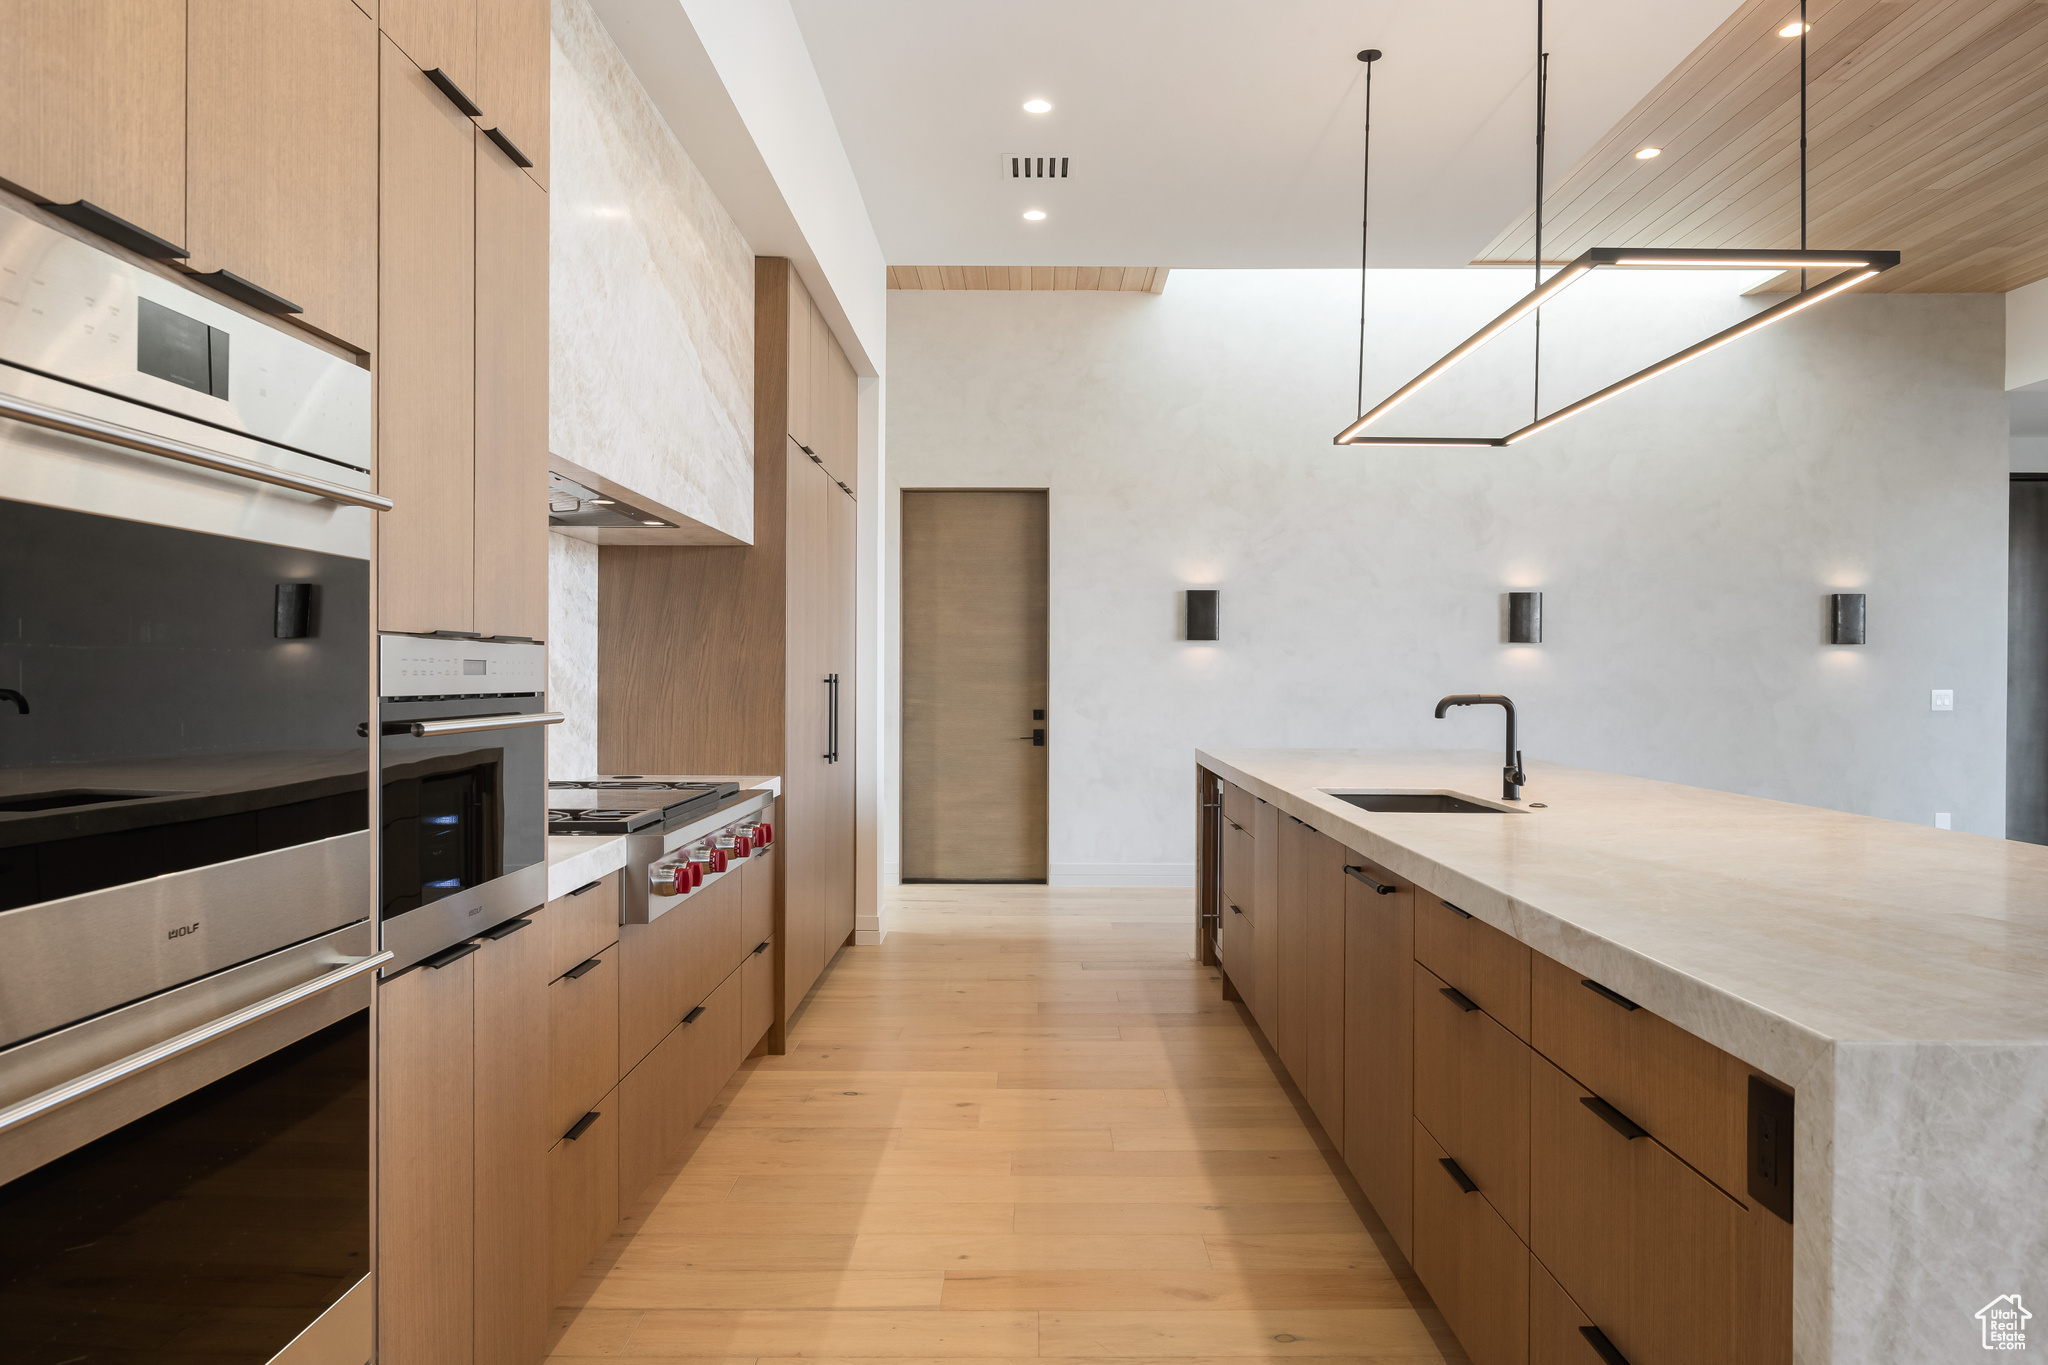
<point>1121,874</point>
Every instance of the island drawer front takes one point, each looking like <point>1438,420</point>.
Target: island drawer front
<point>661,1099</point>
<point>582,924</point>
<point>1238,859</point>
<point>583,1029</point>
<point>1379,1052</point>
<point>757,994</point>
<point>1491,968</point>
<point>1235,945</point>
<point>1645,1246</point>
<point>1554,1323</point>
<point>757,900</point>
<point>1237,805</point>
<point>1471,1262</point>
<point>1690,1095</point>
<point>583,1196</point>
<point>1472,1094</point>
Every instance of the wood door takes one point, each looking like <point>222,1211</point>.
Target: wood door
<point>513,1134</point>
<point>281,147</point>
<point>426,358</point>
<point>511,399</point>
<point>1379,1024</point>
<point>426,1165</point>
<point>437,35</point>
<point>807,789</point>
<point>840,603</point>
<point>95,108</point>
<point>974,685</point>
<point>512,76</point>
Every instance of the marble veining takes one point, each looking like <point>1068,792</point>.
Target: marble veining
<point>1895,976</point>
<point>572,656</point>
<point>651,295</point>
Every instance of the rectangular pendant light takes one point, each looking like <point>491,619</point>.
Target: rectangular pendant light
<point>1857,265</point>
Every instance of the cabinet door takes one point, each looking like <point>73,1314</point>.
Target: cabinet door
<point>1265,910</point>
<point>1488,967</point>
<point>437,35</point>
<point>426,371</point>
<point>583,1038</point>
<point>426,1136</point>
<point>511,526</point>
<point>842,531</point>
<point>803,338</point>
<point>1379,1023</point>
<point>1237,863</point>
<point>1471,1262</point>
<point>513,1134</point>
<point>1290,943</point>
<point>1556,1326</point>
<point>757,994</point>
<point>1322,1076</point>
<point>757,898</point>
<point>582,1197</point>
<point>806,791</point>
<point>95,108</point>
<point>512,76</point>
<point>1472,1093</point>
<point>281,145</point>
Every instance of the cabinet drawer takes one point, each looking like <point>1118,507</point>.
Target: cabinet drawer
<point>1237,806</point>
<point>757,899</point>
<point>1471,1262</point>
<point>1234,945</point>
<point>661,1099</point>
<point>582,924</point>
<point>1554,1323</point>
<point>757,996</point>
<point>583,1029</point>
<point>1690,1095</point>
<point>668,967</point>
<point>1238,853</point>
<point>1472,1094</point>
<point>583,1197</point>
<point>1491,968</point>
<point>1649,1251</point>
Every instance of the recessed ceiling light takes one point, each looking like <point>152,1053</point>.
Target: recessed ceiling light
<point>1794,29</point>
<point>1034,215</point>
<point>1648,153</point>
<point>1038,106</point>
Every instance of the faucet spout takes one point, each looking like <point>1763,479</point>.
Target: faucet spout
<point>1511,775</point>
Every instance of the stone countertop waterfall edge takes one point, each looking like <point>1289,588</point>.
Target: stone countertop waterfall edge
<point>1894,975</point>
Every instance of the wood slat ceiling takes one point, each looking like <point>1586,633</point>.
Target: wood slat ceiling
<point>1928,135</point>
<point>1128,279</point>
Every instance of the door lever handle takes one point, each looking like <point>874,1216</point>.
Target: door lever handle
<point>1036,737</point>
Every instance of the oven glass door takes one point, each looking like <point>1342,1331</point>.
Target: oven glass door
<point>213,1229</point>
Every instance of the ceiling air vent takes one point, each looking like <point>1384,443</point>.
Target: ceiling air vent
<point>1016,166</point>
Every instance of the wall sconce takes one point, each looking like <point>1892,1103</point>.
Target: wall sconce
<point>1525,618</point>
<point>1201,614</point>
<point>1845,618</point>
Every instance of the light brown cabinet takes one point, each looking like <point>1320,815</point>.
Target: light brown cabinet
<point>1470,1260</point>
<point>1379,1046</point>
<point>426,357</point>
<point>583,1038</point>
<point>662,1098</point>
<point>511,397</point>
<point>512,1140</point>
<point>1479,961</point>
<point>582,1195</point>
<point>281,158</point>
<point>92,109</point>
<point>438,35</point>
<point>1472,1093</point>
<point>1310,942</point>
<point>512,78</point>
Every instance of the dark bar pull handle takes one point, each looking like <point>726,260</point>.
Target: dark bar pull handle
<point>507,929</point>
<point>1458,998</point>
<point>1602,1347</point>
<point>1458,1174</point>
<point>452,955</point>
<point>1614,1118</point>
<point>1357,874</point>
<point>582,1126</point>
<point>247,291</point>
<point>691,1017</point>
<point>454,92</point>
<point>1235,911</point>
<point>760,948</point>
<point>588,886</point>
<point>1614,996</point>
<point>583,968</point>
<point>118,230</point>
<point>508,147</point>
<point>1461,914</point>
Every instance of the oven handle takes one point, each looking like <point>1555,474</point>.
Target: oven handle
<point>77,424</point>
<point>469,725</point>
<point>157,1053</point>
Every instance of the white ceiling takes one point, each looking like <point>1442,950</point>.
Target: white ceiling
<point>1221,133</point>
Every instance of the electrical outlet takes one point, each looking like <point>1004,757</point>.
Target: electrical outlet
<point>1944,699</point>
<point>1941,819</point>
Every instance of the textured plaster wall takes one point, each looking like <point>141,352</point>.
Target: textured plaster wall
<point>1685,534</point>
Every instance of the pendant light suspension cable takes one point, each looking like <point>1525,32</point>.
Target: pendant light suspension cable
<point>1369,56</point>
<point>1542,92</point>
<point>1802,137</point>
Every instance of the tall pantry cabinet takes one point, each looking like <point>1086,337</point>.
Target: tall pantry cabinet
<point>741,660</point>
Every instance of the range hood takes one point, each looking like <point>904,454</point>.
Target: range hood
<point>585,505</point>
<point>573,504</point>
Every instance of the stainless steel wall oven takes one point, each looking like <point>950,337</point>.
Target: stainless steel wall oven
<point>186,922</point>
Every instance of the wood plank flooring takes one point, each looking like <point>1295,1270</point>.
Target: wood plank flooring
<point>1026,1126</point>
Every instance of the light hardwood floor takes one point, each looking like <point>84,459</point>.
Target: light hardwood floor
<point>1027,1125</point>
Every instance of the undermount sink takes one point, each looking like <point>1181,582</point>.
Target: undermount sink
<point>1421,803</point>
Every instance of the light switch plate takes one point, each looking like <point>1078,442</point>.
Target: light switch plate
<point>1941,820</point>
<point>1944,699</point>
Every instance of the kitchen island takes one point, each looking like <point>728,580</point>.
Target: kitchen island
<point>1894,978</point>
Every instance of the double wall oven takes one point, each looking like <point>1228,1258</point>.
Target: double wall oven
<point>187,915</point>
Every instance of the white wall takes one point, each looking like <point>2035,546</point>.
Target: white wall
<point>2026,336</point>
<point>1685,534</point>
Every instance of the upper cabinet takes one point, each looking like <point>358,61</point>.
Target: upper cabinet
<point>512,80</point>
<point>823,390</point>
<point>92,114</point>
<point>281,145</point>
<point>440,37</point>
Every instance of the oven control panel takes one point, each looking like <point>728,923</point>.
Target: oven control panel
<point>453,666</point>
